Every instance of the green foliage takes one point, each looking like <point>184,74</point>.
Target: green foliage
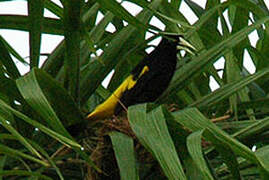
<point>191,132</point>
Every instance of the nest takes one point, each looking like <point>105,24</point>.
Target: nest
<point>102,153</point>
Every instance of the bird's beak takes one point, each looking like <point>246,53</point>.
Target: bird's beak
<point>185,45</point>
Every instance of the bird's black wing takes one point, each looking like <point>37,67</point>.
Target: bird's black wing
<point>148,87</point>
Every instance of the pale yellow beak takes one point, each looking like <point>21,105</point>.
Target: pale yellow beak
<point>186,46</point>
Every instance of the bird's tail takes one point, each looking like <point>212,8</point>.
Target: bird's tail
<point>92,116</point>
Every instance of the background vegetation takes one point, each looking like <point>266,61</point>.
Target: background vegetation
<point>189,133</point>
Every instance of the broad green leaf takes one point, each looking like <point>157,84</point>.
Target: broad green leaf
<point>151,130</point>
<point>68,112</point>
<point>194,147</point>
<point>31,91</point>
<point>263,156</point>
<point>38,99</point>
<point>192,171</point>
<point>123,147</point>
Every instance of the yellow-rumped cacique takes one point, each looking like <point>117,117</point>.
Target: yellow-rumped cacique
<point>147,81</point>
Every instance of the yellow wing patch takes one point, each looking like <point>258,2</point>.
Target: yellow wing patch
<point>106,109</point>
<point>145,69</point>
<point>132,82</point>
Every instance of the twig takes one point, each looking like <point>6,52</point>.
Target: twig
<point>221,118</point>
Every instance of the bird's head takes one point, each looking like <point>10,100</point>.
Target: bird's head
<point>179,42</point>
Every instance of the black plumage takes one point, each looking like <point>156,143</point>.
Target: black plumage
<point>161,63</point>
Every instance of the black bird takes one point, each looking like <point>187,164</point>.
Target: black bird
<point>147,80</point>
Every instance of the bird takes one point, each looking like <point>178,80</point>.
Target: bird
<point>147,81</point>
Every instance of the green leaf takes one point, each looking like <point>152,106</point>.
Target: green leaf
<point>227,90</point>
<point>50,160</point>
<point>255,128</point>
<point>151,130</point>
<point>251,6</point>
<point>44,94</point>
<point>122,13</point>
<point>72,35</point>
<point>230,160</point>
<point>194,147</point>
<point>40,149</point>
<point>35,15</point>
<point>13,152</point>
<point>43,128</point>
<point>2,163</point>
<point>263,156</point>
<point>31,91</point>
<point>194,120</point>
<point>7,61</point>
<point>6,123</point>
<point>12,51</point>
<point>54,8</point>
<point>68,111</point>
<point>9,88</point>
<point>66,141</point>
<point>98,31</point>
<point>4,173</point>
<point>124,150</point>
<point>198,10</point>
<point>54,63</point>
<point>20,22</point>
